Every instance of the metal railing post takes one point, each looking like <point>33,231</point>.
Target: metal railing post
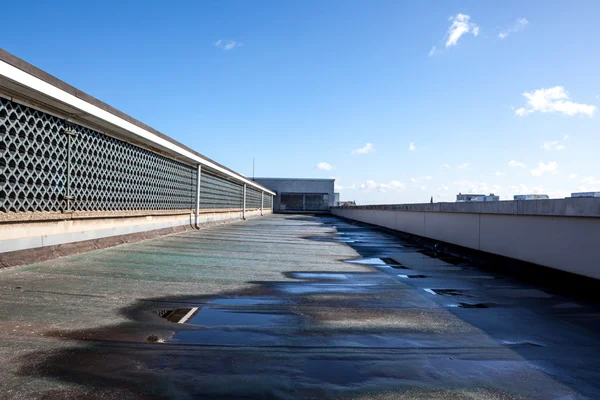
<point>198,179</point>
<point>244,205</point>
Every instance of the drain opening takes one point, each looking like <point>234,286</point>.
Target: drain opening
<point>475,305</point>
<point>446,292</point>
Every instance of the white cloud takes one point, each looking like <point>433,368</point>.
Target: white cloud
<point>498,173</point>
<point>422,187</point>
<point>591,181</point>
<point>227,44</point>
<point>323,166</point>
<point>371,185</point>
<point>447,166</point>
<point>367,148</point>
<point>339,187</point>
<point>513,163</point>
<point>519,25</point>
<point>554,145</point>
<point>421,178</point>
<point>431,52</point>
<point>572,176</point>
<point>460,26</point>
<point>466,186</point>
<point>444,188</point>
<point>463,166</point>
<point>543,168</point>
<point>412,146</point>
<point>555,99</point>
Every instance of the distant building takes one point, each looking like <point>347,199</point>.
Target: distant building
<point>347,203</point>
<point>300,195</point>
<point>463,198</point>
<point>586,194</point>
<point>531,196</point>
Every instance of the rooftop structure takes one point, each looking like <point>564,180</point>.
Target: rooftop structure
<point>476,197</point>
<point>586,194</point>
<point>300,195</point>
<point>531,197</point>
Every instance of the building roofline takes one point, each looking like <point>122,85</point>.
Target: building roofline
<point>294,179</point>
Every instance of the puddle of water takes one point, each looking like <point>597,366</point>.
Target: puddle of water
<point>524,343</point>
<point>368,261</point>
<point>319,275</point>
<point>242,301</point>
<point>212,316</point>
<point>309,288</point>
<point>379,262</point>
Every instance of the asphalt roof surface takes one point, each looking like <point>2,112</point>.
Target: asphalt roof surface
<point>288,306</point>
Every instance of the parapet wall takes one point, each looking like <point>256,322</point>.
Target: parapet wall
<point>561,234</point>
<point>75,169</point>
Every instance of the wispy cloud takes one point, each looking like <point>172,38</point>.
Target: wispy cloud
<point>524,189</point>
<point>371,185</point>
<point>543,168</point>
<point>498,173</point>
<point>590,180</point>
<point>519,25</point>
<point>431,52</point>
<point>554,145</point>
<point>447,166</point>
<point>411,146</point>
<point>513,163</point>
<point>460,25</point>
<point>227,44</point>
<point>572,176</point>
<point>323,166</point>
<point>421,178</point>
<point>463,166</point>
<point>367,148</point>
<point>466,186</point>
<point>555,99</point>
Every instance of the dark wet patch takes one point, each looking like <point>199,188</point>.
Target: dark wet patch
<point>450,259</point>
<point>413,276</point>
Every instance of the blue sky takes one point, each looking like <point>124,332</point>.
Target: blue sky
<point>302,85</point>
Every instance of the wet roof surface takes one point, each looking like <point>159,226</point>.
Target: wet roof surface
<point>284,307</point>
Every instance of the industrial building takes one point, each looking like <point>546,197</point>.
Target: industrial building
<point>300,195</point>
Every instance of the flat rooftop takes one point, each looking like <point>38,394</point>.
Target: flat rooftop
<point>284,307</point>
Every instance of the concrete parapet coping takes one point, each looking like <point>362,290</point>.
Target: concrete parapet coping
<point>570,207</point>
<point>58,216</point>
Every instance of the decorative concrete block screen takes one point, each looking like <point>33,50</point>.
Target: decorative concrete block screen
<point>253,198</point>
<point>217,192</point>
<point>49,164</point>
